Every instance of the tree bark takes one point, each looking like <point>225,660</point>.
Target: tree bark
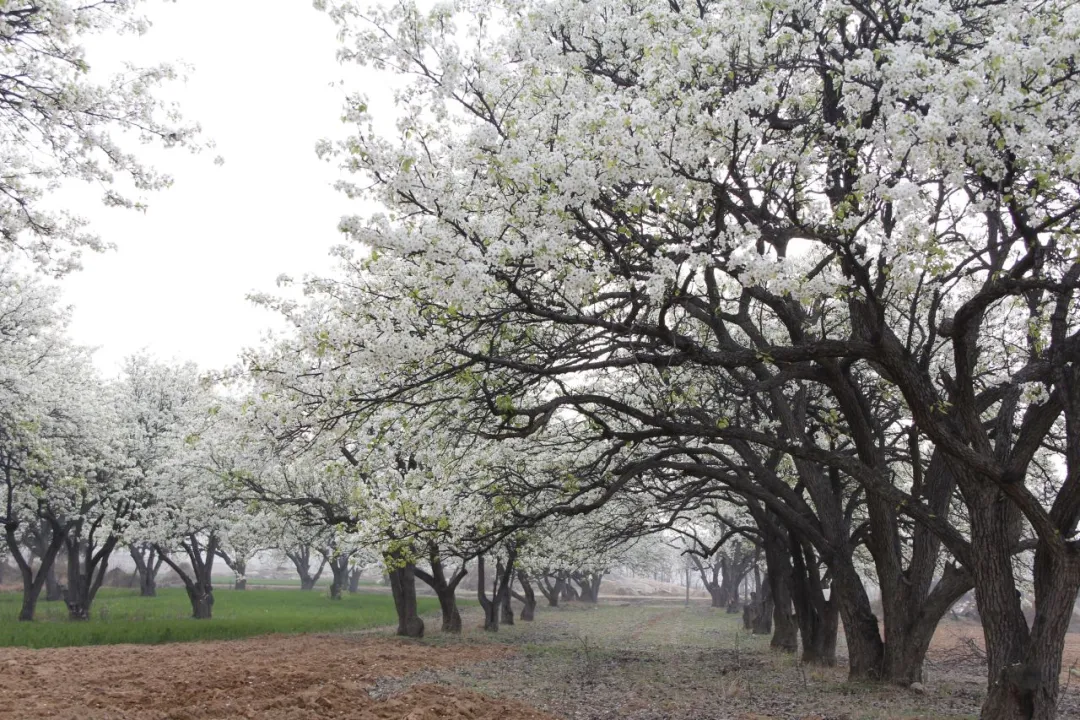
<point>339,568</point>
<point>777,591</point>
<point>552,591</point>
<point>199,585</point>
<point>527,598</point>
<point>506,610</point>
<point>489,606</point>
<point>147,564</point>
<point>817,617</point>
<point>403,586</point>
<point>500,588</point>
<point>763,611</point>
<point>85,569</point>
<point>32,582</point>
<point>301,560</point>
<point>354,579</point>
<point>590,585</point>
<point>53,591</point>
<point>445,589</point>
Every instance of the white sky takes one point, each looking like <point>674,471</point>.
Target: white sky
<point>261,88</point>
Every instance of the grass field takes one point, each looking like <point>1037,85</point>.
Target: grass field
<point>121,616</point>
<point>323,582</point>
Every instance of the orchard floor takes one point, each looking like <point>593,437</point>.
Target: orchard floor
<point>619,660</point>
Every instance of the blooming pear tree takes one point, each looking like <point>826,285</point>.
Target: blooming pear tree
<point>61,121</point>
<point>62,473</point>
<point>858,220</point>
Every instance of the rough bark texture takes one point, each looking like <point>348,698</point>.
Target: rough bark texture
<point>488,605</point>
<point>403,586</point>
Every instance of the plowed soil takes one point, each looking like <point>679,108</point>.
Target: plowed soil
<point>272,678</point>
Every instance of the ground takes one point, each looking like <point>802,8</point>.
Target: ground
<point>121,616</point>
<point>637,661</point>
<point>270,678</point>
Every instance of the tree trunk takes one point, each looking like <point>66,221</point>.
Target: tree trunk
<point>527,599</point>
<point>147,563</point>
<point>763,611</point>
<point>199,585</point>
<point>403,585</point>
<point>445,590</point>
<point>53,591</point>
<point>240,571</point>
<point>506,610</point>
<point>354,580</point>
<point>202,601</point>
<point>489,606</point>
<point>569,592</point>
<point>552,591</point>
<point>817,618</point>
<point>590,585</point>
<point>32,582</point>
<point>339,567</point>
<point>500,588</point>
<point>777,593</point>
<point>301,560</point>
<point>1024,662</point>
<point>85,571</point>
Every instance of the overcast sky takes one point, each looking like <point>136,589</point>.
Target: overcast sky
<point>261,88</point>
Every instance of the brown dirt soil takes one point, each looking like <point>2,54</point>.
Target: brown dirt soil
<point>309,677</point>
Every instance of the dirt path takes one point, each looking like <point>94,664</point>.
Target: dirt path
<point>310,677</point>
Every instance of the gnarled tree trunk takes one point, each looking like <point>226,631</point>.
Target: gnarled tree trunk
<point>85,569</point>
<point>445,589</point>
<point>527,598</point>
<point>403,585</point>
<point>32,581</point>
<point>301,560</point>
<point>552,591</point>
<point>199,584</point>
<point>339,568</point>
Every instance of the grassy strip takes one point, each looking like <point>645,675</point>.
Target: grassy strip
<point>121,616</point>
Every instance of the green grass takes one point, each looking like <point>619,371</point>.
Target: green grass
<point>121,616</point>
<point>323,582</point>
